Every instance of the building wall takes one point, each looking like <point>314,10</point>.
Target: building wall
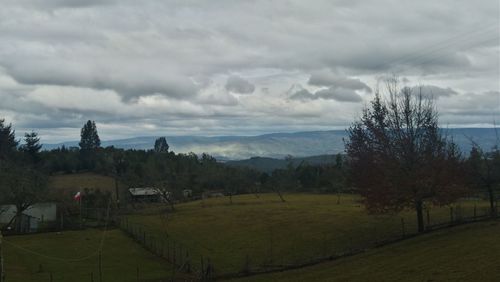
<point>41,211</point>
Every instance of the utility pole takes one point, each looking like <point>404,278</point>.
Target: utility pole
<point>2,273</point>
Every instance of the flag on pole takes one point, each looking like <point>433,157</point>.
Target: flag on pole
<point>77,196</point>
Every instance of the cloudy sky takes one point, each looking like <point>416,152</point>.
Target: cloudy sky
<point>238,67</point>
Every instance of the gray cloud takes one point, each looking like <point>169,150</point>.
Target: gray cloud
<point>239,85</point>
<point>434,91</point>
<point>330,79</point>
<point>163,65</point>
<point>129,83</point>
<point>303,95</point>
<point>339,94</point>
<point>332,93</point>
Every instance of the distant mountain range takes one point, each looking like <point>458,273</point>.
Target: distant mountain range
<point>277,145</point>
<point>268,165</point>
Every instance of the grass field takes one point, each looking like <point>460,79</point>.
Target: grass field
<point>73,256</point>
<point>265,231</point>
<point>465,253</point>
<point>69,184</point>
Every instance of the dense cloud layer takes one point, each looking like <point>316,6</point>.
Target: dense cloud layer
<point>179,67</point>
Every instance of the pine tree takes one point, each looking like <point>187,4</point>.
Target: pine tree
<point>32,146</point>
<point>89,137</point>
<point>8,142</point>
<point>161,145</point>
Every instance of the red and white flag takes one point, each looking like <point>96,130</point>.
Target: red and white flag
<point>77,196</point>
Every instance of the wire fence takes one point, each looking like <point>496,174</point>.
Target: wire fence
<point>271,256</point>
<point>190,264</point>
<point>175,252</point>
<point>326,248</point>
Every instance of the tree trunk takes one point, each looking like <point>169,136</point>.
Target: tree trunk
<point>117,194</point>
<point>19,221</point>
<point>420,215</point>
<point>491,195</point>
<point>279,194</point>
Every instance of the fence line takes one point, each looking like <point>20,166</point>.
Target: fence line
<point>456,218</point>
<point>170,249</point>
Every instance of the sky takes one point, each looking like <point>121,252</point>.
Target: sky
<point>155,67</point>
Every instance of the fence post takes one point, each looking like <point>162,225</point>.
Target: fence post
<point>271,245</point>
<point>210,270</point>
<point>2,271</point>
<point>324,245</point>
<point>475,211</point>
<point>100,267</point>
<point>174,254</point>
<point>428,218</point>
<point>202,270</point>
<point>246,266</point>
<point>188,263</point>
<point>168,250</point>
<point>403,230</point>
<point>162,249</point>
<point>451,214</point>
<point>180,255</point>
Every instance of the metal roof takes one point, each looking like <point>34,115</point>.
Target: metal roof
<point>145,191</point>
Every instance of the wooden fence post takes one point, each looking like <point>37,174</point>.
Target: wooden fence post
<point>2,271</point>
<point>451,214</point>
<point>202,270</point>
<point>100,267</point>
<point>403,229</point>
<point>174,255</point>
<point>428,218</point>
<point>168,251</point>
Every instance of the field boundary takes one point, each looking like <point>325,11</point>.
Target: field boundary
<point>383,243</point>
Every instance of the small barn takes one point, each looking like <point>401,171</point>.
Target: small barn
<point>44,212</point>
<point>187,193</point>
<point>32,217</point>
<point>145,194</point>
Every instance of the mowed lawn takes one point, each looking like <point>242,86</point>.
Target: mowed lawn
<point>73,256</point>
<point>464,253</point>
<point>263,231</point>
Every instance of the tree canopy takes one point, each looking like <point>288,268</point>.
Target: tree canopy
<point>89,137</point>
<point>8,142</point>
<point>399,157</point>
<point>32,146</point>
<point>161,145</point>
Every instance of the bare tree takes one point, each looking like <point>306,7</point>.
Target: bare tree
<point>398,156</point>
<point>22,187</point>
<point>484,171</point>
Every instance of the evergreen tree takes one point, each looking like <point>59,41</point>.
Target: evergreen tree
<point>89,138</point>
<point>161,145</point>
<point>32,146</point>
<point>8,142</point>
